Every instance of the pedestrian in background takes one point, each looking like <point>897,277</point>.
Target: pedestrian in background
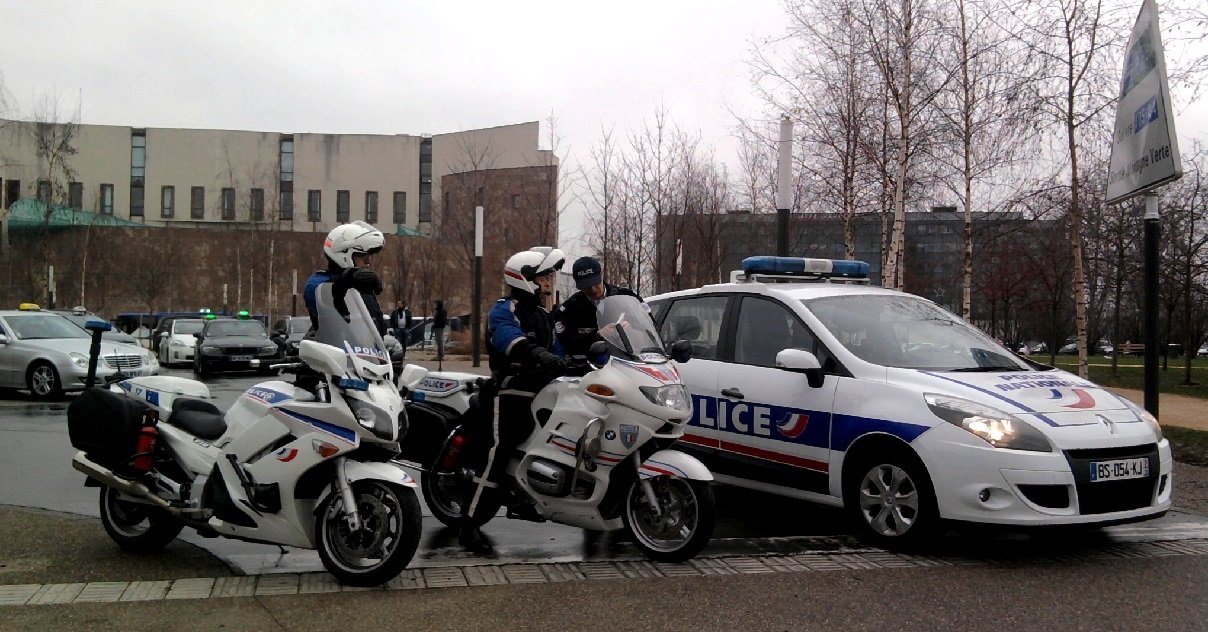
<point>440,319</point>
<point>400,323</point>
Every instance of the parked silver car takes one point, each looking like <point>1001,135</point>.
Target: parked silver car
<point>80,316</point>
<point>47,354</point>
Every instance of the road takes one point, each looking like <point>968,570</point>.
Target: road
<point>775,564</point>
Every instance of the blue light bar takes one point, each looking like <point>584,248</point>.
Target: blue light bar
<point>805,267</point>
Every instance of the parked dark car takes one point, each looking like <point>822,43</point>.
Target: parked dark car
<point>226,344</point>
<point>80,316</point>
<point>288,332</point>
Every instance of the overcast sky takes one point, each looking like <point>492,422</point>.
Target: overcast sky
<point>388,67</point>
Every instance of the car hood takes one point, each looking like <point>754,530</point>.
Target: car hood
<point>1056,397</point>
<point>81,346</point>
<point>188,339</point>
<point>237,341</point>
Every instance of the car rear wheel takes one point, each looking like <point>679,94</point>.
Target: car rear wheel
<point>43,380</point>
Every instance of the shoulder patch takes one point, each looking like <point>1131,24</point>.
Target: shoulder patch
<point>559,327</point>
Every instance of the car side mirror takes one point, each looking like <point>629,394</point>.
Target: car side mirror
<point>801,361</point>
<point>681,351</point>
<point>3,339</point>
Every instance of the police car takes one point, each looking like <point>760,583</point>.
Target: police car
<point>808,382</point>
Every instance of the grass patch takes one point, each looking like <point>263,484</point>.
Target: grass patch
<point>1187,445</point>
<point>1131,374</point>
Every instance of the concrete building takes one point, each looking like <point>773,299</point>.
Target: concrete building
<point>301,181</point>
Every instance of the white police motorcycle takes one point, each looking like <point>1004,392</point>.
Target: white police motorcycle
<point>305,464</point>
<point>600,455</point>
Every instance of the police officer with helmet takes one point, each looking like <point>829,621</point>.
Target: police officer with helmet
<point>524,356</point>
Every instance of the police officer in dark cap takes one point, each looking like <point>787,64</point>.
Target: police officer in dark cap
<point>575,319</point>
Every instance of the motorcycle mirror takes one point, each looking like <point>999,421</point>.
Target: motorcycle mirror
<point>598,353</point>
<point>681,351</point>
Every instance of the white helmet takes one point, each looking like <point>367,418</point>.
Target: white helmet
<point>523,268</point>
<point>346,240</point>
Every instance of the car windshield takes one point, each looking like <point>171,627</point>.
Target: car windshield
<point>236,328</point>
<point>624,323</point>
<point>188,326</point>
<point>44,326</point>
<point>909,332</point>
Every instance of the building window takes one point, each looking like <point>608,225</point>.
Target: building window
<point>138,164</point>
<point>446,206</point>
<point>167,201</point>
<point>75,195</point>
<point>400,207</point>
<point>425,202</point>
<point>44,191</point>
<point>314,205</point>
<point>425,180</point>
<point>371,206</point>
<point>107,199</point>
<point>197,203</point>
<point>342,206</point>
<point>286,202</point>
<point>12,192</point>
<point>228,204</point>
<point>516,200</point>
<point>286,166</point>
<point>257,205</point>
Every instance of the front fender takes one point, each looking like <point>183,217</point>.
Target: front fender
<point>358,471</point>
<point>674,463</point>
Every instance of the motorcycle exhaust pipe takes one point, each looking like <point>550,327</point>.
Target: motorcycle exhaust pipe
<point>134,488</point>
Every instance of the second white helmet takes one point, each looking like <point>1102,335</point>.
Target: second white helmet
<point>346,240</point>
<point>523,268</point>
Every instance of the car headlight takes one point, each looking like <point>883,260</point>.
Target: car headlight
<point>372,418</point>
<point>673,396</point>
<point>79,359</point>
<point>178,343</point>
<point>268,349</point>
<point>1144,415</point>
<point>210,350</point>
<point>999,429</point>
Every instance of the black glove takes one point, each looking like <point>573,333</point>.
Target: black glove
<point>364,280</point>
<point>548,361</point>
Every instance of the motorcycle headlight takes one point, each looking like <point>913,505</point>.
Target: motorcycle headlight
<point>673,396</point>
<point>373,419</point>
<point>1145,416</point>
<point>79,359</point>
<point>999,429</point>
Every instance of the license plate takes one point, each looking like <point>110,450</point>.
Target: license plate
<point>244,358</point>
<point>1119,470</point>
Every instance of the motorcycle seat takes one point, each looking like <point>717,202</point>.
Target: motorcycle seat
<point>198,417</point>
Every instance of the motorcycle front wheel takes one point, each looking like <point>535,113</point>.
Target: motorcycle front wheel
<point>135,526</point>
<point>384,544</point>
<point>682,524</point>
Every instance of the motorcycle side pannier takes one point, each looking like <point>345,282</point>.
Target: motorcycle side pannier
<point>105,425</point>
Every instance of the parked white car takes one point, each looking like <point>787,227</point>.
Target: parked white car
<point>808,382</point>
<point>179,342</point>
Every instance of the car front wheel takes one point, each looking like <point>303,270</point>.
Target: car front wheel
<point>890,499</point>
<point>43,381</point>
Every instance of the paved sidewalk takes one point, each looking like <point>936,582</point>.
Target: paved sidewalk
<point>1174,410</point>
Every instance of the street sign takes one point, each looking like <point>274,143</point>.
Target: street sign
<point>1145,151</point>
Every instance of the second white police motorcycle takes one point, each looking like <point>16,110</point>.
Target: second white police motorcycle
<point>600,456</point>
<point>306,464</point>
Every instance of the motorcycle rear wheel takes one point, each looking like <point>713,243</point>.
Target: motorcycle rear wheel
<point>445,490</point>
<point>136,527</point>
<point>383,546</point>
<point>683,525</point>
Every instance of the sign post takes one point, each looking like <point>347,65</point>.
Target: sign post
<point>1145,155</point>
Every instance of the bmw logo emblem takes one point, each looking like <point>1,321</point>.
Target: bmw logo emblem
<point>610,435</point>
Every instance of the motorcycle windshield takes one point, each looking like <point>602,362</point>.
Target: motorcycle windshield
<point>358,336</point>
<point>625,324</point>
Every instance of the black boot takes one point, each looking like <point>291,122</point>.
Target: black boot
<point>472,539</point>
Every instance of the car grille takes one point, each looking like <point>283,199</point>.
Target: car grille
<point>241,350</point>
<point>124,361</point>
<point>1112,496</point>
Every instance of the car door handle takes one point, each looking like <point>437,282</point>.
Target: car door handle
<point>733,392</point>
